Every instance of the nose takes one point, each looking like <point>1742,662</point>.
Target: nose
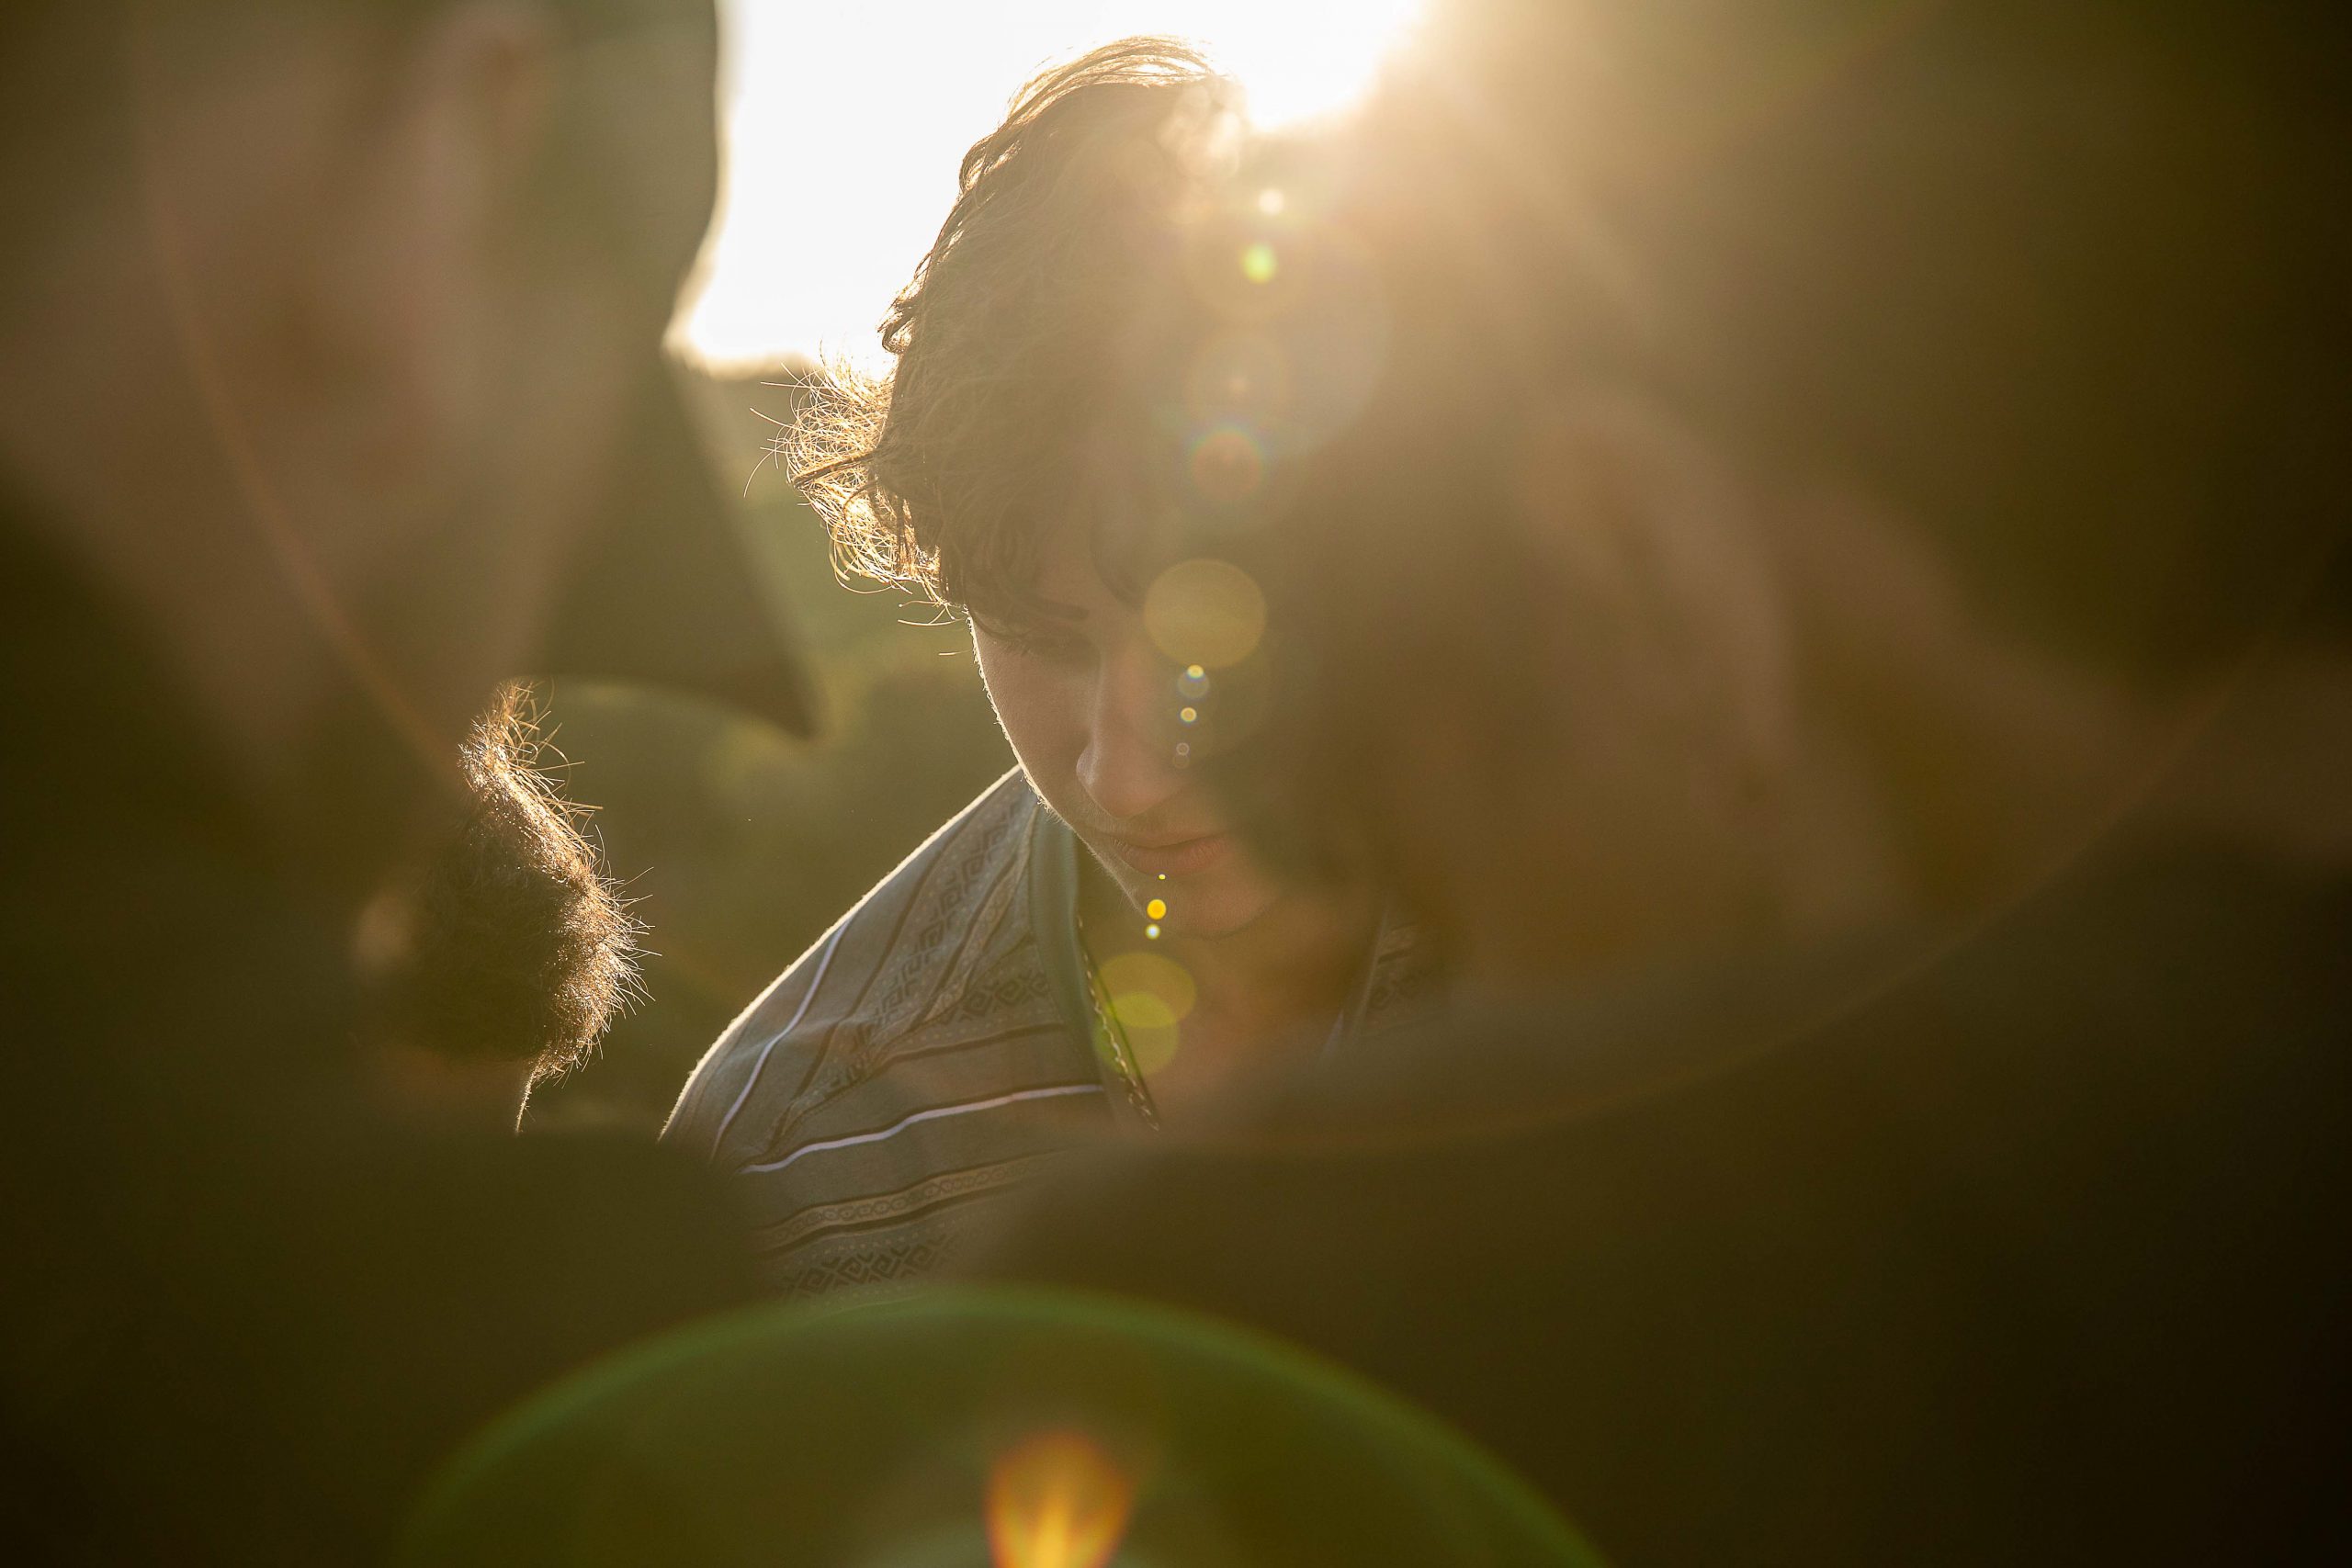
<point>1128,766</point>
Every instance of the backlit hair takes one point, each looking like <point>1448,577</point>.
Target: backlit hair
<point>1016,330</point>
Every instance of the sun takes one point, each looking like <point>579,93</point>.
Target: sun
<point>843,124</point>
<point>1297,60</point>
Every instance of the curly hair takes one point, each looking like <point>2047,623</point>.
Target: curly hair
<point>1018,330</point>
<point>513,943</point>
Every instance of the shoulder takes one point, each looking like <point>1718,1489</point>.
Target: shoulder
<point>932,967</point>
<point>906,1072</point>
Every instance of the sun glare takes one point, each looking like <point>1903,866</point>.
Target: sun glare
<point>1057,1501</point>
<point>843,124</point>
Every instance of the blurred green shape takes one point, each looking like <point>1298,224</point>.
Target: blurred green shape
<point>888,1435</point>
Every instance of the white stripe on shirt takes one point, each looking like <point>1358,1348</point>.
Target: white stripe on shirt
<point>934,1114</point>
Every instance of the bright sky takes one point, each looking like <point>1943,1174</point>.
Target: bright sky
<point>846,120</point>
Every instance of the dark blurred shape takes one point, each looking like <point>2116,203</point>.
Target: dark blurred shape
<point>321,328</point>
<point>246,1313</point>
<point>2036,1260</point>
<point>2050,294</point>
<point>1836,613</point>
<point>978,1429</point>
<point>664,591</point>
<point>512,945</point>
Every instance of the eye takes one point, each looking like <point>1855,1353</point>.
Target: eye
<point>1047,644</point>
<point>1053,647</point>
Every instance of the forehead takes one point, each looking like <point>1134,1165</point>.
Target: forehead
<point>1097,547</point>
<point>1066,574</point>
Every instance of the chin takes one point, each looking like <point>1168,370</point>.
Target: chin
<point>1207,910</point>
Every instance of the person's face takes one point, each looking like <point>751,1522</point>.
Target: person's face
<point>1091,707</point>
<point>550,329</point>
<point>429,322</point>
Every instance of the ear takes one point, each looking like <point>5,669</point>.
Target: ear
<point>417,238</point>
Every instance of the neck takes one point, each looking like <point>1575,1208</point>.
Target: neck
<point>1261,993</point>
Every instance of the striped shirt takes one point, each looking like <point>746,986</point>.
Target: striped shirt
<point>931,1052</point>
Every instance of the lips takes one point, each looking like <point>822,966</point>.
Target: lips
<point>1173,857</point>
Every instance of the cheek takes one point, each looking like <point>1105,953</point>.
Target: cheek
<point>1042,710</point>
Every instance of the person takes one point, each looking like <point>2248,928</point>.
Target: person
<point>1869,734</point>
<point>329,400</point>
<point>1086,949</point>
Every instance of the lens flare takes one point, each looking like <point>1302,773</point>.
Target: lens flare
<point>1259,263</point>
<point>1227,465</point>
<point>1271,202</point>
<point>1151,995</point>
<point>1206,613</point>
<point>1239,378</point>
<point>1165,988</point>
<point>1157,908</point>
<point>1056,1500</point>
<point>1141,1013</point>
<point>1152,1048</point>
